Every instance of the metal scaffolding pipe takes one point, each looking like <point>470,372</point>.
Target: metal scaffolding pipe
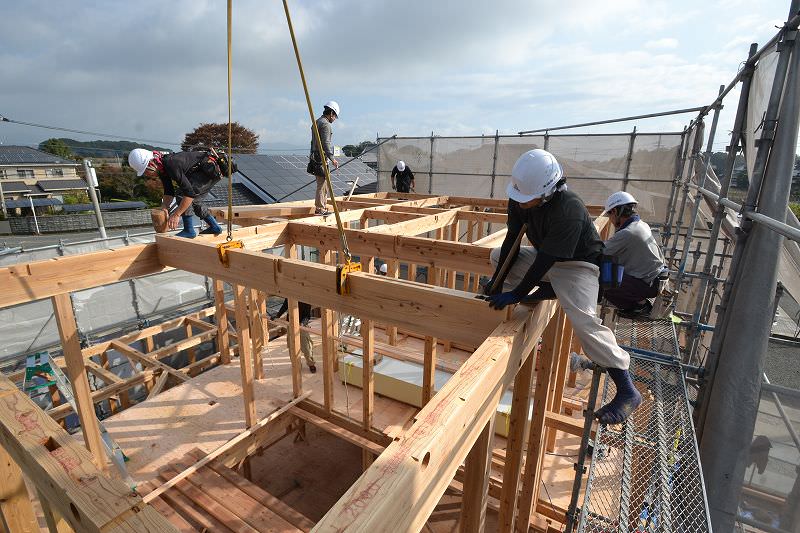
<point>696,145</point>
<point>732,405</point>
<point>615,120</point>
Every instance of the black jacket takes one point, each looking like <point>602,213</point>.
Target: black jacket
<point>192,172</point>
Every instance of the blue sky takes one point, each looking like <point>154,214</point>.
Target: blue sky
<point>156,70</point>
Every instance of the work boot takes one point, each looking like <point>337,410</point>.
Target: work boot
<point>188,230</point>
<point>624,403</point>
<point>313,368</point>
<point>213,228</point>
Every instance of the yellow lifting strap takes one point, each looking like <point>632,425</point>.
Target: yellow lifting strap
<point>342,286</point>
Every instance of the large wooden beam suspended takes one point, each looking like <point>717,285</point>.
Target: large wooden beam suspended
<point>431,311</point>
<point>405,483</point>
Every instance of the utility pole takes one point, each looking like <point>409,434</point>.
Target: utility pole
<point>91,181</point>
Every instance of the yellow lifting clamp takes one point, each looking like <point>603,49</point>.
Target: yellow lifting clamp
<point>342,283</point>
<point>222,250</point>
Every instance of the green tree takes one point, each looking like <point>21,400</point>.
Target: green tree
<point>56,147</point>
<point>244,141</point>
<point>118,183</point>
<point>350,150</point>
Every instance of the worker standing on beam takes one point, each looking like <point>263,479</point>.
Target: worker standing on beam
<point>635,248</point>
<point>194,173</point>
<point>329,114</point>
<point>402,177</point>
<point>563,264</point>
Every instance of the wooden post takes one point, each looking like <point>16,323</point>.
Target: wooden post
<point>191,353</point>
<point>560,377</point>
<point>367,382</point>
<point>16,511</point>
<point>293,335</point>
<point>257,333</point>
<point>329,361</point>
<point>429,370</point>
<point>391,331</point>
<point>245,356</point>
<point>477,468</point>
<point>76,372</point>
<point>515,447</point>
<point>531,477</point>
<point>221,318</point>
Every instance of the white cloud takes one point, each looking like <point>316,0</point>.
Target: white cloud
<point>664,43</point>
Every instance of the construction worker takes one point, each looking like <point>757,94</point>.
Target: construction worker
<point>194,173</point>
<point>306,343</point>
<point>329,114</point>
<point>563,263</point>
<point>383,270</point>
<point>402,177</point>
<point>635,248</point>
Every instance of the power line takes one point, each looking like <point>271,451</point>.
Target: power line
<point>82,132</point>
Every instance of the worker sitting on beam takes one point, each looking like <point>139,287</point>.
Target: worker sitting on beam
<point>563,263</point>
<point>635,248</point>
<point>194,173</point>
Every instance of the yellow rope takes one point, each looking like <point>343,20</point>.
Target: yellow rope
<point>230,132</point>
<point>317,138</point>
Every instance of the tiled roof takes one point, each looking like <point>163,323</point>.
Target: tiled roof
<point>218,197</point>
<point>15,186</point>
<point>21,155</point>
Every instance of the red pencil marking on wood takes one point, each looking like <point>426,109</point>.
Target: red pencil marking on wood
<point>28,420</point>
<point>67,462</point>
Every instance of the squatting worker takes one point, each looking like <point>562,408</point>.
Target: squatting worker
<point>563,264</point>
<point>636,249</point>
<point>329,113</point>
<point>194,173</point>
<point>402,177</point>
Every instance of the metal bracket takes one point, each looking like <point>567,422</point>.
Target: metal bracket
<point>224,247</point>
<point>342,283</point>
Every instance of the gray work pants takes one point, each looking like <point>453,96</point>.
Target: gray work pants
<point>575,284</point>
<point>321,196</point>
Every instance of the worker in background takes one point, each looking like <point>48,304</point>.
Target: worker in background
<point>306,343</point>
<point>402,177</point>
<point>637,251</point>
<point>194,174</point>
<point>562,263</point>
<point>382,270</point>
<point>329,114</point>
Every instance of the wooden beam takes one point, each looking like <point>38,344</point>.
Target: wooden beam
<point>135,355</point>
<point>477,469</point>
<point>405,483</point>
<point>63,410</point>
<point>329,348</point>
<point>393,269</point>
<point>64,471</point>
<point>367,383</point>
<point>245,355</point>
<point>431,311</point>
<point>238,439</point>
<point>25,282</point>
<point>417,226</point>
<point>76,372</point>
<point>293,335</point>
<point>515,444</point>
<point>345,422</point>
<point>365,444</point>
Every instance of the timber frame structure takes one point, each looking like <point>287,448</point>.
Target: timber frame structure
<point>449,440</point>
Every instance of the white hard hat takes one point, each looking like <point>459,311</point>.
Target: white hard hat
<point>535,174</point>
<point>617,199</point>
<point>333,105</point>
<point>138,159</point>
<point>401,166</point>
<point>384,268</point>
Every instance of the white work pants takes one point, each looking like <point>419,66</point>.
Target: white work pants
<point>575,284</point>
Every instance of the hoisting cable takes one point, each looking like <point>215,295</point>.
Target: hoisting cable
<point>349,266</point>
<point>229,244</point>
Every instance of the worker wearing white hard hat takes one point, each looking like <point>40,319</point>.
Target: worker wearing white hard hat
<point>402,177</point>
<point>563,264</point>
<point>635,248</point>
<point>186,177</point>
<point>383,269</point>
<point>329,114</point>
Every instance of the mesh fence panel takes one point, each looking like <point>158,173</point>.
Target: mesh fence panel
<point>595,165</point>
